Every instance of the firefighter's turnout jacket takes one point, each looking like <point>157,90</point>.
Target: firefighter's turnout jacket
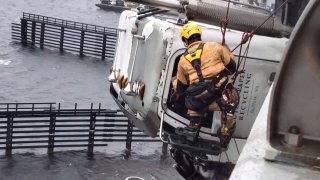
<point>213,59</point>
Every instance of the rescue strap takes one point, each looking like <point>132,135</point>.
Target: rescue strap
<point>194,57</point>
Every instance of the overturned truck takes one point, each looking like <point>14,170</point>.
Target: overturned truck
<point>148,50</point>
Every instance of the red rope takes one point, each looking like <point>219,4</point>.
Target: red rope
<point>224,24</point>
<point>245,55</point>
<point>247,37</point>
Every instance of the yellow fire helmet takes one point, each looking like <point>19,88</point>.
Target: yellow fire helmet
<point>190,29</point>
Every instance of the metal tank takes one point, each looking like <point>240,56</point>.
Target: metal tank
<point>241,18</point>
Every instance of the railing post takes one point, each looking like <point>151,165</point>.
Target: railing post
<point>43,26</point>
<point>81,43</point>
<point>24,32</point>
<point>61,39</point>
<point>91,133</point>
<point>129,139</point>
<point>9,134</point>
<point>52,127</point>
<point>164,147</point>
<point>33,33</point>
<point>103,55</point>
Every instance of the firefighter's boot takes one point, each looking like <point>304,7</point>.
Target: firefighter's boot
<point>226,131</point>
<point>191,132</point>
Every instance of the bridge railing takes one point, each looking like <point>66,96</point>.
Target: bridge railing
<point>47,125</point>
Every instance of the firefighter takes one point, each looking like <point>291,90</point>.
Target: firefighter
<point>202,79</point>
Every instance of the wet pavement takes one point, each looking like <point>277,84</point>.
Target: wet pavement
<point>34,75</point>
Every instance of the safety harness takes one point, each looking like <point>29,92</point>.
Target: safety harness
<point>203,93</point>
<point>194,57</point>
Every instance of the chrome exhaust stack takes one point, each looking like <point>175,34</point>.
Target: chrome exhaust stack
<point>173,4</point>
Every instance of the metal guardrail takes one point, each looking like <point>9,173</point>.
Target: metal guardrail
<point>65,35</point>
<point>47,125</point>
<point>67,23</point>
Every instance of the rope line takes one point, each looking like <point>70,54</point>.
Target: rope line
<point>227,156</point>
<point>236,146</point>
<point>224,24</point>
<point>247,37</point>
<point>250,34</point>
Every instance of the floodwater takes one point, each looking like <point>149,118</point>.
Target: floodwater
<point>73,165</point>
<point>34,75</point>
